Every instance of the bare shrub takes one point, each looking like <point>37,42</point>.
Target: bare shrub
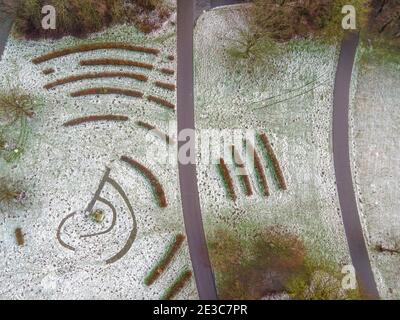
<point>270,262</point>
<point>82,17</point>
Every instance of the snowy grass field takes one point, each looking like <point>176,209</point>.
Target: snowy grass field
<point>289,97</point>
<point>62,167</point>
<point>375,135</point>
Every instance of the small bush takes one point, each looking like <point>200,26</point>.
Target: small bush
<point>16,107</point>
<point>147,15</point>
<point>15,104</point>
<point>9,193</point>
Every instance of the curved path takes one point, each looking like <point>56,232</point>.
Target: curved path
<point>341,153</point>
<point>187,13</point>
<point>5,28</point>
<point>187,172</point>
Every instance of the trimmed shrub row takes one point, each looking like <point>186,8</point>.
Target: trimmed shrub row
<point>108,117</point>
<point>177,285</point>
<point>165,260</point>
<point>93,47</point>
<point>165,85</point>
<point>167,71</point>
<point>157,131</point>
<point>156,185</point>
<point>107,90</point>
<point>96,75</point>
<point>116,62</point>
<point>245,177</point>
<point>259,169</point>
<point>228,181</point>
<point>271,154</point>
<point>19,235</point>
<point>161,101</point>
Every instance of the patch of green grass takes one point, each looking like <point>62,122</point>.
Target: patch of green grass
<point>379,51</point>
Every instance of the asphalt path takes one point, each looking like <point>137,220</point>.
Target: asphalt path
<point>5,28</point>
<point>197,243</point>
<point>344,180</point>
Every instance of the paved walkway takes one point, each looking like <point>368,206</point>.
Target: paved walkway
<point>344,180</point>
<point>187,172</point>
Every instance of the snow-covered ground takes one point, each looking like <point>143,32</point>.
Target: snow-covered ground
<point>298,121</point>
<point>375,154</point>
<point>63,166</point>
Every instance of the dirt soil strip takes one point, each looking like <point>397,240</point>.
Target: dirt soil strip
<point>187,172</point>
<point>344,178</point>
<point>59,230</point>
<point>133,233</point>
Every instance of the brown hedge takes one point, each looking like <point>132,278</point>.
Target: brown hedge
<point>259,169</point>
<point>48,71</point>
<point>116,62</point>
<point>93,47</point>
<point>161,101</point>
<point>167,71</point>
<point>107,90</point>
<point>19,236</point>
<point>157,131</point>
<point>227,179</point>
<point>177,286</point>
<point>277,168</point>
<point>156,185</point>
<point>165,85</point>
<point>165,260</point>
<point>82,120</point>
<point>245,178</point>
<point>96,75</point>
